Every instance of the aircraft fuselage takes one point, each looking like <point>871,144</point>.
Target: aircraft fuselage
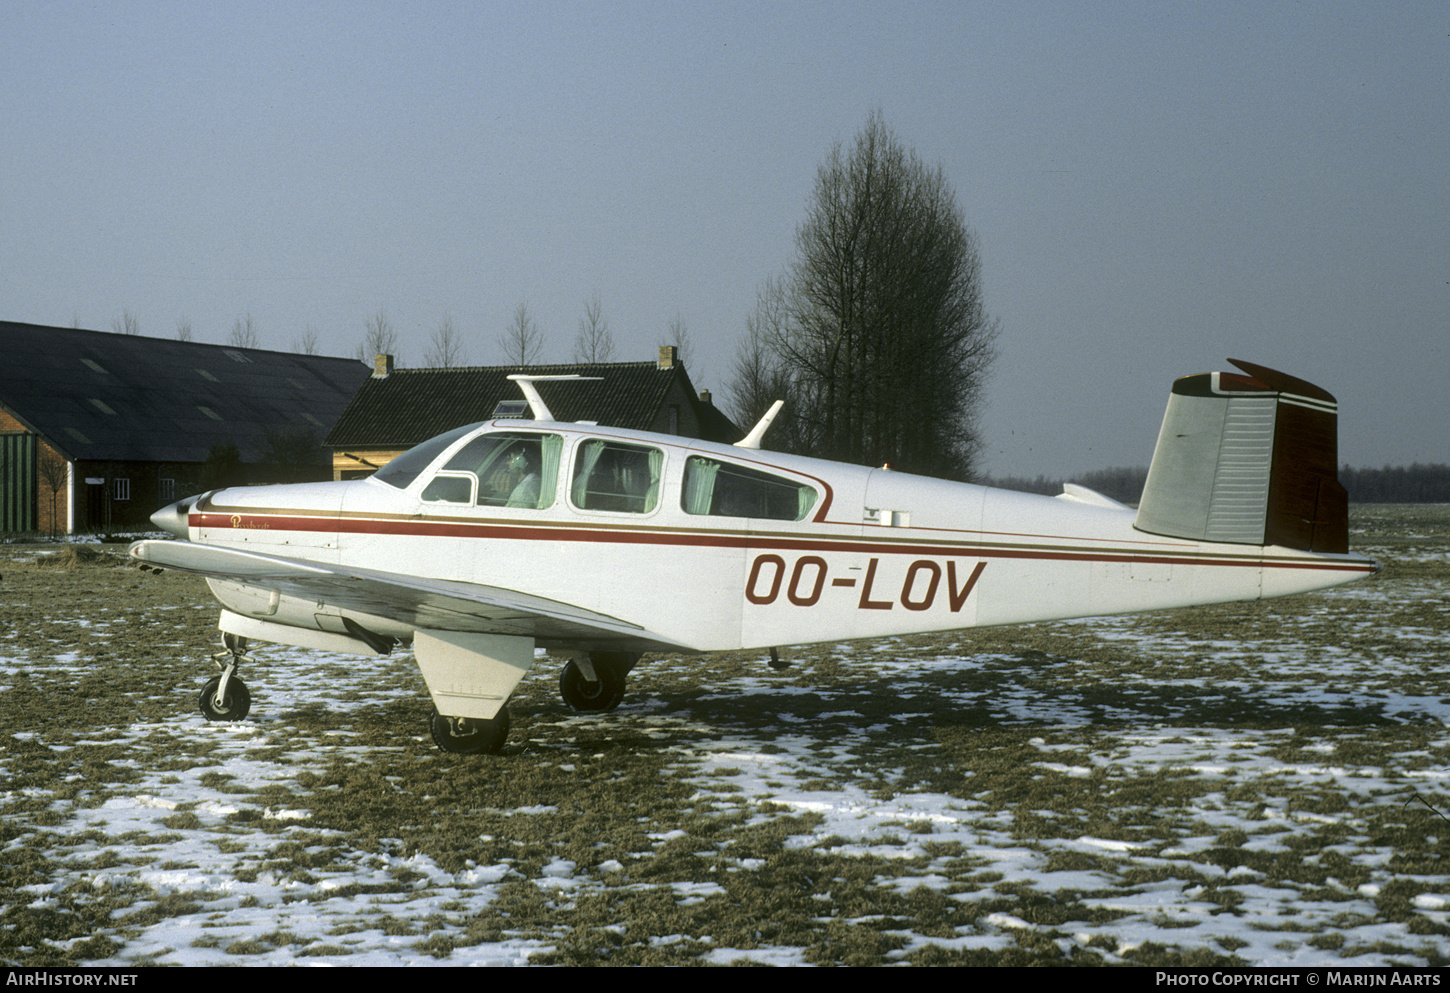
<point>874,553</point>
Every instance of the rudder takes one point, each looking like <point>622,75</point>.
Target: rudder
<point>1248,459</point>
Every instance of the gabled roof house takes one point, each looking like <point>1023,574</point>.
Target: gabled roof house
<point>396,409</point>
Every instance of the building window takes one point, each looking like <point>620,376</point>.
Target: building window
<point>168,489</point>
<point>120,489</point>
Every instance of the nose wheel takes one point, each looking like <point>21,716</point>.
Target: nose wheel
<point>229,703</point>
<point>226,697</point>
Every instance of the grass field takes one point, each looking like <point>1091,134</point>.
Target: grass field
<point>1262,783</point>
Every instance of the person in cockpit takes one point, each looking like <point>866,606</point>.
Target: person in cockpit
<point>524,468</point>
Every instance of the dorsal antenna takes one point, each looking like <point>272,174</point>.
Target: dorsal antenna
<point>752,440</point>
<point>526,383</point>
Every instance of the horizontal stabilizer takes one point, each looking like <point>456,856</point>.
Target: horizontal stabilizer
<point>1248,459</point>
<point>1082,494</point>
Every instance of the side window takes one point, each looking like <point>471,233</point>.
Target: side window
<point>511,469</point>
<point>611,475</point>
<point>722,489</point>
<point>448,488</point>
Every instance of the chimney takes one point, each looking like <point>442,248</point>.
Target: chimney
<point>669,356</point>
<point>382,366</point>
<point>705,396</point>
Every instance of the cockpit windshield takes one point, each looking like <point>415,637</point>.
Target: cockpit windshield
<point>405,468</point>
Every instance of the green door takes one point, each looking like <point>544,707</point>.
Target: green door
<point>17,482</point>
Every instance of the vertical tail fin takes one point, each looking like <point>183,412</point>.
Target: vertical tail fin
<point>1250,459</point>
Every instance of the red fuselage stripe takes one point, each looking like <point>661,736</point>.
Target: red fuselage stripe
<point>632,536</point>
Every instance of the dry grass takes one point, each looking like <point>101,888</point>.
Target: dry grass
<point>1216,786</point>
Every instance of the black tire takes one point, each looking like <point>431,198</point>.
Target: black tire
<point>236,706</point>
<point>479,737</point>
<point>592,697</point>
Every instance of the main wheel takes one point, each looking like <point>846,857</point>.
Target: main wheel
<point>468,736</point>
<point>603,693</point>
<point>238,700</point>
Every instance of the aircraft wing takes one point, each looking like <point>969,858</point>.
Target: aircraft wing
<point>434,604</point>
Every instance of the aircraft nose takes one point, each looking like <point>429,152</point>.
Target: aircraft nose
<point>173,518</point>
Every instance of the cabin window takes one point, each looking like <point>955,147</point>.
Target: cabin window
<point>723,489</point>
<point>401,471</point>
<point>510,469</point>
<point>610,475</point>
<point>449,488</point>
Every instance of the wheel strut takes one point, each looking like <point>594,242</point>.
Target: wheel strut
<point>225,697</point>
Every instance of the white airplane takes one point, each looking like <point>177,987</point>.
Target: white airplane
<point>601,543</point>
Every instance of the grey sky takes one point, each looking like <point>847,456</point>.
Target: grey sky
<point>1155,186</point>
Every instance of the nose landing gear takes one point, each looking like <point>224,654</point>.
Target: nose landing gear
<point>226,697</point>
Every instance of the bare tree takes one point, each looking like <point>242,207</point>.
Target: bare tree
<point>594,342</point>
<point>244,333</point>
<point>758,375</point>
<point>223,466</point>
<point>127,323</point>
<point>888,342</point>
<point>54,472</point>
<point>292,454</point>
<point>678,334</point>
<point>379,338</point>
<point>307,344</point>
<point>183,329</point>
<point>446,351</point>
<point>522,340</point>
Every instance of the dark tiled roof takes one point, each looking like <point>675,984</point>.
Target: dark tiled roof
<point>412,405</point>
<point>100,396</point>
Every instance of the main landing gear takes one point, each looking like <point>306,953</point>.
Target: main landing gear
<point>594,684</point>
<point>225,697</point>
<point>469,736</point>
